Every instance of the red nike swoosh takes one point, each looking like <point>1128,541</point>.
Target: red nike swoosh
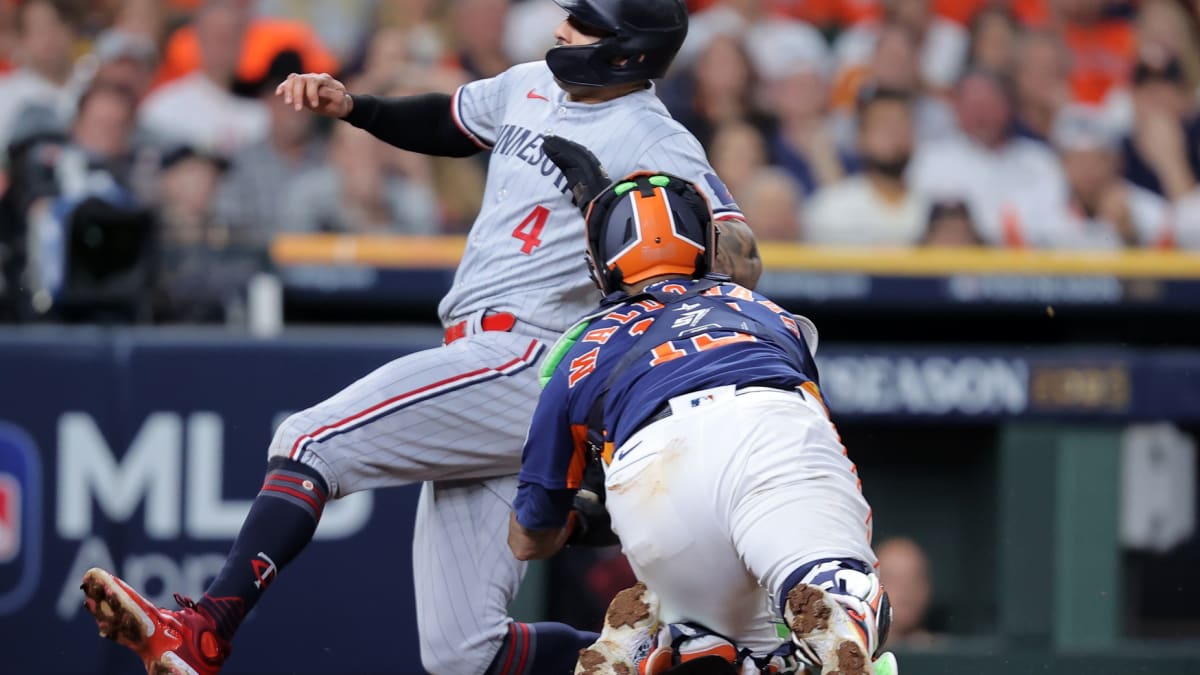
<point>533,94</point>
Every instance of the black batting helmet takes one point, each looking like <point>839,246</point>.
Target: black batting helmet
<point>647,225</point>
<point>639,40</point>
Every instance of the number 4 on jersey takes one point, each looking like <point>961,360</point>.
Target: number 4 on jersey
<point>530,229</point>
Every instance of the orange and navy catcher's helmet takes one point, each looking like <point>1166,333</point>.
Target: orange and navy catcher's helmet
<point>647,225</point>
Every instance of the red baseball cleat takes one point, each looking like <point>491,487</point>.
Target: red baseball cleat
<point>169,642</point>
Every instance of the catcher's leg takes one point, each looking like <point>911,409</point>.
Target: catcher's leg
<point>796,478</point>
<point>666,502</point>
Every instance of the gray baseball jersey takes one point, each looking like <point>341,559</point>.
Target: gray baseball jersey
<point>456,416</point>
<point>525,253</point>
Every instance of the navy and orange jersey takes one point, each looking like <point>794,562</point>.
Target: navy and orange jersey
<point>726,335</point>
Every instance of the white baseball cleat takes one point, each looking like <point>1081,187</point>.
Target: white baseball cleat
<point>836,631</point>
<point>630,627</point>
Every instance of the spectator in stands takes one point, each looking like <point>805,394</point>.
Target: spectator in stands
<point>994,35</point>
<point>426,44</point>
<point>794,64</point>
<point>248,200</point>
<point>1164,24</point>
<point>357,192</point>
<point>103,131</point>
<point>96,156</point>
<point>721,90</point>
<point>1163,152</point>
<point>529,29</point>
<point>188,182</point>
<point>1102,49</point>
<point>904,572</point>
<point>876,207</point>
<point>202,272</point>
<point>1105,211</point>
<point>127,59</point>
<point>251,47</point>
<point>1013,186</point>
<point>772,204</point>
<point>942,44</point>
<point>737,152</point>
<point>341,25</point>
<point>723,18</point>
<point>1042,79</point>
<point>895,65</point>
<point>950,226</point>
<point>390,63</point>
<point>478,29</point>
<point>46,35</point>
<point>145,18</point>
<point>85,178</point>
<point>199,109</point>
<point>8,36</point>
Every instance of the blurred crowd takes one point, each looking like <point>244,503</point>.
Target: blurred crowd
<point>131,124</point>
<point>1069,124</point>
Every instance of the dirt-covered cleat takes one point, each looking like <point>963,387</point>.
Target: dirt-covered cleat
<point>630,627</point>
<point>837,632</point>
<point>169,642</point>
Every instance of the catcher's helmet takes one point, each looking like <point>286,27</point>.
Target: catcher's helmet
<point>640,39</point>
<point>646,225</point>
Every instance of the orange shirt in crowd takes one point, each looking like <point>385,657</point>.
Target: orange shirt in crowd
<point>1028,12</point>
<point>1102,57</point>
<point>265,38</point>
<point>827,12</point>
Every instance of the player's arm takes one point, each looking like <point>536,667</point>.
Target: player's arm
<point>527,544</point>
<point>737,252</point>
<point>423,123</point>
<point>552,464</point>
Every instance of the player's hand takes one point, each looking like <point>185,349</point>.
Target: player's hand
<point>593,525</point>
<point>585,175</point>
<point>317,92</point>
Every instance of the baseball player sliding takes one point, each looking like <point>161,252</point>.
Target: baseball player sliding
<point>726,481</point>
<point>454,417</point>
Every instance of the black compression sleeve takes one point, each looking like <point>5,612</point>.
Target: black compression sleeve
<point>418,123</point>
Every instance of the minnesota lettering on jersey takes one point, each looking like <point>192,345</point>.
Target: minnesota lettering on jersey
<point>526,210</point>
<point>524,144</point>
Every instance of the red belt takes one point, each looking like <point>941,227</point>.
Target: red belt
<point>500,321</point>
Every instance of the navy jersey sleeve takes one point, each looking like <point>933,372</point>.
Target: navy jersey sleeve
<point>555,452</point>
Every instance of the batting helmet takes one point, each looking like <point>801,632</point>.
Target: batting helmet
<point>639,39</point>
<point>648,225</point>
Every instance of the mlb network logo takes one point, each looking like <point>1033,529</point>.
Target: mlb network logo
<point>20,514</point>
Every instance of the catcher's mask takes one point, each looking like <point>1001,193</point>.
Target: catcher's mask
<point>647,225</point>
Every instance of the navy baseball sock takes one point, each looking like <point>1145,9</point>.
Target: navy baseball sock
<point>280,524</point>
<point>539,648</point>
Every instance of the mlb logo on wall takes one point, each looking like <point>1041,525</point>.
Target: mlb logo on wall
<point>20,518</point>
